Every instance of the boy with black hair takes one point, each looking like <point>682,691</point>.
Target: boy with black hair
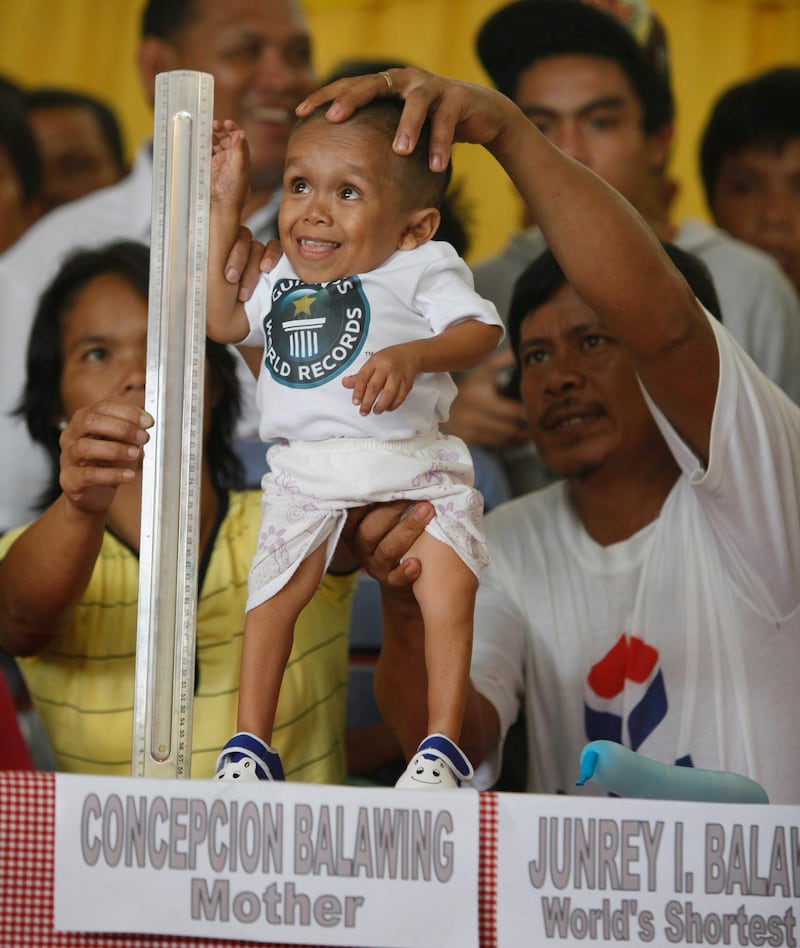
<point>750,164</point>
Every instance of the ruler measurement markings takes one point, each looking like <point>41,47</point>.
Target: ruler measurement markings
<point>166,635</point>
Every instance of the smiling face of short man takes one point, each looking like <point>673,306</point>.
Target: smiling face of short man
<point>348,201</point>
<point>587,106</point>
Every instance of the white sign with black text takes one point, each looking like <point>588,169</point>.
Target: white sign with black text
<point>645,872</point>
<point>291,863</point>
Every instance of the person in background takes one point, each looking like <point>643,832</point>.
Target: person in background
<point>259,52</point>
<point>11,95</point>
<point>651,596</point>
<point>20,207</point>
<point>80,143</point>
<point>20,178</point>
<point>69,580</point>
<point>750,164</point>
<point>594,77</point>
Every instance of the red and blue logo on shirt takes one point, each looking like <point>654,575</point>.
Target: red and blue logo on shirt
<point>628,675</point>
<point>314,331</point>
<point>631,669</point>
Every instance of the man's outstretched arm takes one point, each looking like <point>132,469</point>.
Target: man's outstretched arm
<point>607,251</point>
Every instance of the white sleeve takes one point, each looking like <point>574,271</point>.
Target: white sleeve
<point>771,334</point>
<point>750,490</point>
<point>256,308</point>
<point>778,345</point>
<point>445,292</point>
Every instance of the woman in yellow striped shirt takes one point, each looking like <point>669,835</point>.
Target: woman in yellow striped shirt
<point>69,580</point>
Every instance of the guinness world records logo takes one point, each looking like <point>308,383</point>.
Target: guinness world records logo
<point>314,332</point>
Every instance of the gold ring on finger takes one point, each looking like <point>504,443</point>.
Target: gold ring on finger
<point>389,82</point>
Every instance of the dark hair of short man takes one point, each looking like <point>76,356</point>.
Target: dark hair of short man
<point>41,405</point>
<point>455,223</point>
<point>44,99</point>
<point>763,112</point>
<point>544,277</point>
<point>422,187</point>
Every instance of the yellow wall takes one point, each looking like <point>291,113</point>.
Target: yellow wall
<point>90,45</point>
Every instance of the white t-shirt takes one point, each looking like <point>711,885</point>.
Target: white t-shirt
<point>315,334</point>
<point>682,641</point>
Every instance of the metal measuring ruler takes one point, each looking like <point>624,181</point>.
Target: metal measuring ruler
<point>171,470</point>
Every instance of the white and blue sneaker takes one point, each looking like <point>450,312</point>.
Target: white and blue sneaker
<point>247,757</point>
<point>439,764</point>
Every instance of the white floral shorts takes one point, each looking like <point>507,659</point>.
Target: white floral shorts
<point>312,484</point>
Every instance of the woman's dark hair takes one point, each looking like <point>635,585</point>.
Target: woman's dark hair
<point>544,277</point>
<point>41,404</point>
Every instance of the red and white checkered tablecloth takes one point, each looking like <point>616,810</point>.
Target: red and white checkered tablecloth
<point>27,839</point>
